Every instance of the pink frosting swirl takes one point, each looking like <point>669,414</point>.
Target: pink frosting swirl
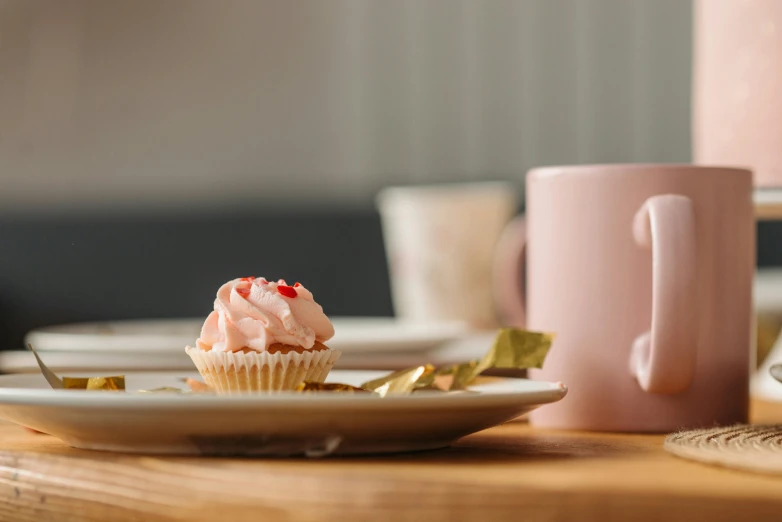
<point>255,313</point>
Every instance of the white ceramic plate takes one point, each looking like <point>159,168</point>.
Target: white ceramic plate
<point>353,334</point>
<point>283,424</point>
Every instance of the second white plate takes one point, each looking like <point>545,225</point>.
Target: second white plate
<point>353,334</point>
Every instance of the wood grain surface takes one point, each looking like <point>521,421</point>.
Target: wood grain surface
<point>512,472</point>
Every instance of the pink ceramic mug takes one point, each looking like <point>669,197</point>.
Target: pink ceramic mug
<point>644,272</point>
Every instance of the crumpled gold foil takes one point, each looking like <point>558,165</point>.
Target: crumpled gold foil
<point>512,348</point>
<point>403,381</point>
<point>112,383</point>
<point>109,383</point>
<point>308,386</point>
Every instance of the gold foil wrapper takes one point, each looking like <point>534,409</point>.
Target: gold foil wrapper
<point>309,386</point>
<point>113,383</point>
<point>403,381</point>
<point>109,383</point>
<point>512,348</point>
<point>519,349</point>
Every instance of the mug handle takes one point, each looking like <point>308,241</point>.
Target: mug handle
<point>663,360</point>
<point>510,267</point>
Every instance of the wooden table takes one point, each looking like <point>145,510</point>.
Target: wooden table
<point>513,472</point>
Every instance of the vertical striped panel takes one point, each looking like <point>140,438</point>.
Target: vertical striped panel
<point>329,101</point>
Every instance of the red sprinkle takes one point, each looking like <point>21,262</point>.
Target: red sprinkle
<point>244,292</point>
<point>287,291</point>
<point>297,285</point>
<point>247,279</point>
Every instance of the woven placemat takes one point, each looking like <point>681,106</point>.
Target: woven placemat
<point>750,448</point>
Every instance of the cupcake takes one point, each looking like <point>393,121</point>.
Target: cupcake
<point>263,337</point>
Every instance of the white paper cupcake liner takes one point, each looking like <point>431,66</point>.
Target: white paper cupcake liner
<point>229,373</point>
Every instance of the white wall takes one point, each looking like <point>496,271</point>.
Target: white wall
<point>189,102</point>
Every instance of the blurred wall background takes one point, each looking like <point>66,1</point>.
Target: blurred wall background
<point>167,104</point>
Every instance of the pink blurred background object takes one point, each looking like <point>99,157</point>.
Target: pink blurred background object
<point>645,274</point>
<point>737,81</point>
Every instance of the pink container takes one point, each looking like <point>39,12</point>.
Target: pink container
<point>737,81</point>
<point>644,273</point>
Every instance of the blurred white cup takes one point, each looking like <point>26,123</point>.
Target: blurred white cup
<point>440,242</point>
